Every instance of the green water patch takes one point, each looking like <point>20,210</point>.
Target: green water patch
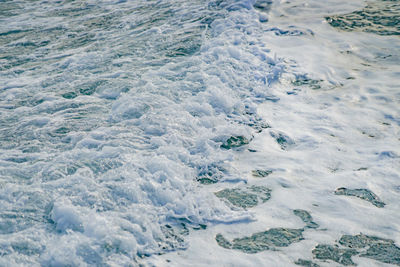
<point>380,249</point>
<point>61,131</point>
<point>334,253</point>
<point>364,194</point>
<point>267,240</point>
<point>284,141</point>
<point>255,122</point>
<point>175,232</point>
<point>290,31</point>
<point>362,241</point>
<point>263,5</point>
<point>69,95</point>
<point>259,126</point>
<point>173,238</point>
<point>379,17</point>
<point>306,263</point>
<point>210,174</point>
<point>246,197</point>
<point>261,173</point>
<point>305,81</point>
<point>372,247</point>
<point>306,217</point>
<point>251,119</point>
<point>207,180</point>
<point>90,87</point>
<point>235,141</point>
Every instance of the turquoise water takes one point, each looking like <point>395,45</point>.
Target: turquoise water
<point>177,133</point>
<point>379,17</point>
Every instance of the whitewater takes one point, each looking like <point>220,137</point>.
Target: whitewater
<point>199,133</point>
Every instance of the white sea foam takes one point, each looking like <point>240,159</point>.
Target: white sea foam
<point>111,111</point>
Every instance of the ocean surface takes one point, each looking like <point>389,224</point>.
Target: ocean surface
<point>199,133</point>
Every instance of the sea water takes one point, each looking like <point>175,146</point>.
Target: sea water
<point>196,133</point>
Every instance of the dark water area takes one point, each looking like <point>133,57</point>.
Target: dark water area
<point>380,17</point>
<point>177,132</point>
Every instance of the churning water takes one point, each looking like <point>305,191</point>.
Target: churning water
<point>194,133</point>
